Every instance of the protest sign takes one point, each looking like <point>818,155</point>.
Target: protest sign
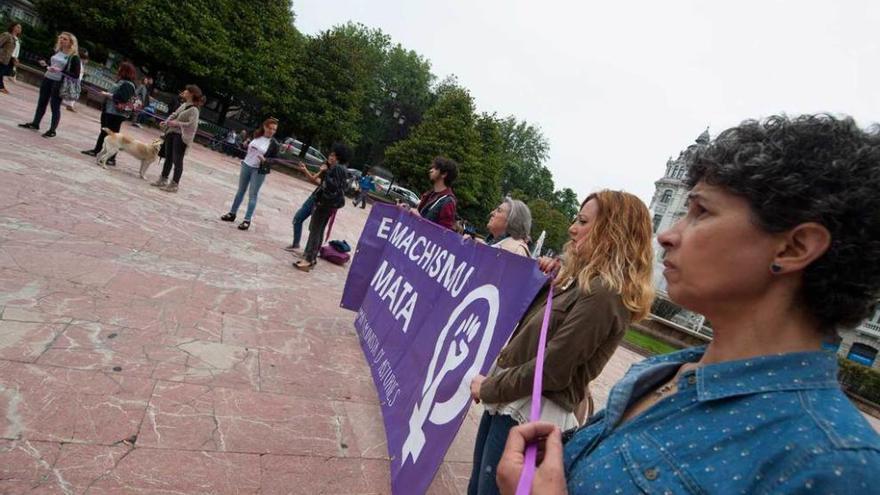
<point>433,310</point>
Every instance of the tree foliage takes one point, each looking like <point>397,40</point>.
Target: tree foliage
<point>547,218</point>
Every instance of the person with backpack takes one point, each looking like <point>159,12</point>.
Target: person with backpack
<point>329,196</point>
<point>439,204</point>
<point>115,107</point>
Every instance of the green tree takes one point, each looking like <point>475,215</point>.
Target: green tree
<point>547,218</point>
<point>566,202</point>
<point>525,150</point>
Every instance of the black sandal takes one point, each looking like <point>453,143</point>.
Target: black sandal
<point>244,225</point>
<point>305,266</point>
<point>229,217</point>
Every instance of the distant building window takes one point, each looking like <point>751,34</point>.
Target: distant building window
<point>657,220</point>
<point>667,196</point>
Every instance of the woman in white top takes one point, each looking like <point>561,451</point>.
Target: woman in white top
<point>254,168</point>
<point>65,63</point>
<point>510,224</point>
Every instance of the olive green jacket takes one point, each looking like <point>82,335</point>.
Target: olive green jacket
<point>583,333</point>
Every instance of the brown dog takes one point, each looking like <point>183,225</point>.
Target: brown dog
<point>116,142</point>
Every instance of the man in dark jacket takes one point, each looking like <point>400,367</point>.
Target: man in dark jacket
<point>329,196</point>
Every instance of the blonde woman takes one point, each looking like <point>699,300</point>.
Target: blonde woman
<point>603,286</point>
<point>64,63</point>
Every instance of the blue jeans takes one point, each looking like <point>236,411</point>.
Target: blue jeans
<point>491,437</point>
<point>249,176</point>
<point>304,212</point>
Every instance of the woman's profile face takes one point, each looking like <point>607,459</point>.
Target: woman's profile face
<point>584,221</point>
<point>498,220</point>
<point>184,95</point>
<point>16,30</point>
<point>716,255</point>
<point>270,129</point>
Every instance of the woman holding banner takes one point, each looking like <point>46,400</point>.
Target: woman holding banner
<point>603,285</point>
<point>510,224</point>
<point>778,249</point>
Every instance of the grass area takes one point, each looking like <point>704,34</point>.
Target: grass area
<point>648,342</point>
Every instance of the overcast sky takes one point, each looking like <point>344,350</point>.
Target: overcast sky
<point>618,87</point>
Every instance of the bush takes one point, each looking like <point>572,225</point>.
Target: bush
<point>860,380</point>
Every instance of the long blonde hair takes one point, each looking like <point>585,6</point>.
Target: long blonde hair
<point>74,45</point>
<point>617,250</point>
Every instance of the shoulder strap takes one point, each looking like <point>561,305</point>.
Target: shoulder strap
<point>434,207</point>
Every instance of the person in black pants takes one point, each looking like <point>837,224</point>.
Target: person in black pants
<point>329,197</point>
<point>115,111</point>
<point>65,63</point>
<point>180,130</point>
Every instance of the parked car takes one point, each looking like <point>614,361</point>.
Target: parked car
<point>381,184</point>
<point>291,148</point>
<point>398,193</point>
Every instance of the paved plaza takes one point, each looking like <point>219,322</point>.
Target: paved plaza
<point>148,347</point>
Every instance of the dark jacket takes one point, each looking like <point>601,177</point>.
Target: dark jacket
<point>271,153</point>
<point>73,67</point>
<point>439,207</point>
<point>583,333</point>
<point>331,192</point>
<point>122,93</point>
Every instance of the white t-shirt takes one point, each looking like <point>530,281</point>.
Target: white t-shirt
<point>257,148</point>
<point>17,48</point>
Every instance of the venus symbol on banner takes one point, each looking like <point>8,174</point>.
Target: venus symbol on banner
<point>456,354</point>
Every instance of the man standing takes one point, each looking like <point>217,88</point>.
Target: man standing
<point>364,187</point>
<point>439,205</point>
<point>329,196</point>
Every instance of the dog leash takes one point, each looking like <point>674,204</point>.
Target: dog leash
<point>528,473</point>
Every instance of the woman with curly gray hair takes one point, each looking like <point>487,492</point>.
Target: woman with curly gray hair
<point>510,224</point>
<point>778,249</point>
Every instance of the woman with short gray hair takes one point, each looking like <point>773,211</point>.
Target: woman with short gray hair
<point>510,224</point>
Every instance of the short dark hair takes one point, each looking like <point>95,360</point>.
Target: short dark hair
<point>446,166</point>
<point>811,168</point>
<point>342,152</point>
<point>198,98</point>
<point>126,71</point>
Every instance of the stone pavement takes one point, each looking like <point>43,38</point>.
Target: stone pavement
<point>147,347</point>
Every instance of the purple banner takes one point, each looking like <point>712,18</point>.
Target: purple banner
<point>433,310</point>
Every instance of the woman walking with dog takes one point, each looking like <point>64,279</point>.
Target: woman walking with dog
<point>65,63</point>
<point>116,107</point>
<point>254,169</point>
<point>180,131</point>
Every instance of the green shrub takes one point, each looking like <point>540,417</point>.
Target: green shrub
<point>860,380</point>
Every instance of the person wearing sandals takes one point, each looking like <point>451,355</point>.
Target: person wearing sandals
<point>254,168</point>
<point>329,196</point>
<point>10,44</point>
<point>64,63</point>
<point>180,130</point>
<point>603,285</point>
<point>113,115</point>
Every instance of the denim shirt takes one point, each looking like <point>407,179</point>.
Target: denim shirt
<point>772,424</point>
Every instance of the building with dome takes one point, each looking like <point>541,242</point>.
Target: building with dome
<point>668,205</point>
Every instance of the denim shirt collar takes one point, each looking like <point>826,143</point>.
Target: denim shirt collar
<point>771,373</point>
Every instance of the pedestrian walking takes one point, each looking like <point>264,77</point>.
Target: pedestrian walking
<point>65,63</point>
<point>254,168</point>
<point>180,131</point>
<point>116,108</point>
<point>365,185</point>
<point>142,94</point>
<point>328,197</point>
<point>603,285</point>
<point>10,45</point>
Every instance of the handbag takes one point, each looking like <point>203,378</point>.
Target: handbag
<point>71,88</point>
<point>134,104</point>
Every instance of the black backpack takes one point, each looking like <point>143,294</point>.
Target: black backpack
<point>332,190</point>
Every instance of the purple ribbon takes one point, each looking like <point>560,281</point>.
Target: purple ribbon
<point>528,473</point>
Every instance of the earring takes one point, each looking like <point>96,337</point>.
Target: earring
<point>775,268</point>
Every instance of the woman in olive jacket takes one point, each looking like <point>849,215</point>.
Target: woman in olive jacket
<point>604,285</point>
